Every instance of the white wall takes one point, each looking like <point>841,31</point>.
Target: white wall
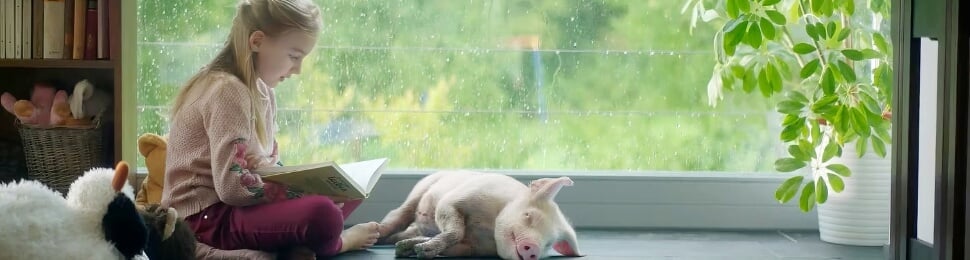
<point>929,50</point>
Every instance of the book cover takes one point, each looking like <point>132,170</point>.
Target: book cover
<point>38,28</point>
<point>26,32</point>
<point>91,31</point>
<point>80,18</point>
<point>53,29</point>
<point>17,23</point>
<point>352,180</point>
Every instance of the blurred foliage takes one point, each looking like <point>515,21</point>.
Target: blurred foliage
<point>613,85</point>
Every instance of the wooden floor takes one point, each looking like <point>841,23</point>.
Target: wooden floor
<point>695,245</point>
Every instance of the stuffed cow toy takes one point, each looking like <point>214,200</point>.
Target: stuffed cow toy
<point>97,220</point>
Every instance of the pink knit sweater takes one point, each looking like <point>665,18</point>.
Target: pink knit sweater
<point>212,146</point>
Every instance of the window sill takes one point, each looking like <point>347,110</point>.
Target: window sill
<point>638,200</point>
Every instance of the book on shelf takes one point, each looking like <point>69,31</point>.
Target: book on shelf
<point>55,29</point>
<point>351,180</point>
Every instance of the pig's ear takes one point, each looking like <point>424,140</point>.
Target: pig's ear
<point>547,188</point>
<point>567,245</point>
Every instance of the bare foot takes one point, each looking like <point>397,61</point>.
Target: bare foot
<point>359,237</point>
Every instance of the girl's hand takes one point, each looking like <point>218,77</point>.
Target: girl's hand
<point>339,200</point>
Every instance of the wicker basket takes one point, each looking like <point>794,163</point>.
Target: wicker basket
<point>58,155</point>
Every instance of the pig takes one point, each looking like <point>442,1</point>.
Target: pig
<point>480,214</point>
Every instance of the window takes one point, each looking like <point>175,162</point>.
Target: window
<point>580,85</point>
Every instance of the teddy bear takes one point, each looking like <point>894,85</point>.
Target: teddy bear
<point>152,147</point>
<point>37,110</point>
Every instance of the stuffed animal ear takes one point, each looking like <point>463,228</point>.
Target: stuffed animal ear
<point>148,142</point>
<point>7,100</point>
<point>121,176</point>
<point>24,110</point>
<point>170,219</point>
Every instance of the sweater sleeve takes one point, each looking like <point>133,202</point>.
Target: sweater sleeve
<point>229,126</point>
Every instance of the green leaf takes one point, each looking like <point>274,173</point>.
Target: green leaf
<point>824,102</point>
<point>776,17</point>
<point>798,97</point>
<point>803,48</point>
<point>774,77</point>
<point>791,132</point>
<point>796,152</point>
<point>861,146</point>
<point>842,118</point>
<point>822,192</point>
<point>732,8</point>
<point>807,148</point>
<point>749,81</point>
<point>883,133</point>
<point>878,146</point>
<point>788,189</point>
<point>836,183</point>
<point>792,119</point>
<point>820,30</point>
<point>849,7</point>
<point>806,201</point>
<point>790,107</point>
<point>853,54</point>
<point>871,54</point>
<point>810,30</point>
<point>840,169</point>
<point>847,72</point>
<point>733,36</point>
<point>844,33</point>
<point>743,5</point>
<point>831,149</point>
<point>732,25</point>
<point>828,81</point>
<point>817,6</point>
<point>764,83</point>
<point>880,42</point>
<point>860,123</point>
<point>788,164</point>
<point>830,30</point>
<point>753,36</point>
<point>769,2</point>
<point>809,68</point>
<point>869,102</point>
<point>767,29</point>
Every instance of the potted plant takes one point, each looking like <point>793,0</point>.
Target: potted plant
<point>828,66</point>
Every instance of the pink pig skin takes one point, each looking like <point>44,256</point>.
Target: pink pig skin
<point>465,213</point>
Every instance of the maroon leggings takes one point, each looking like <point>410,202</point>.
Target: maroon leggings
<point>311,221</point>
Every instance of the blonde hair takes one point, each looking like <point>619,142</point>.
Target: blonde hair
<point>273,18</point>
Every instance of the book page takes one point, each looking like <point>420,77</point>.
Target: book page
<point>274,170</point>
<point>363,171</point>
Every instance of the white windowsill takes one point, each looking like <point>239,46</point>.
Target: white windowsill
<point>638,200</point>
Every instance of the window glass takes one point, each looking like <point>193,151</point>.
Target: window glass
<point>578,85</point>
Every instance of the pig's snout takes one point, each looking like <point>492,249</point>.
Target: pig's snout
<point>527,251</point>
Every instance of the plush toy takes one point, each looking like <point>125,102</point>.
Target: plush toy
<point>87,102</point>
<point>152,147</point>
<point>61,112</point>
<point>97,220</point>
<point>169,236</point>
<point>35,111</point>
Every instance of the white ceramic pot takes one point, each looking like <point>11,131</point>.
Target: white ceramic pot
<point>859,215</point>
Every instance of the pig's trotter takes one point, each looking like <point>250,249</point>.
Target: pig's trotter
<point>405,248</point>
<point>429,249</point>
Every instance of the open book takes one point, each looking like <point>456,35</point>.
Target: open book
<point>351,180</point>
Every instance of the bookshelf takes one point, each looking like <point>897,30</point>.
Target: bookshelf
<point>104,70</point>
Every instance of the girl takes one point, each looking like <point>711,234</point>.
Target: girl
<point>223,126</point>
